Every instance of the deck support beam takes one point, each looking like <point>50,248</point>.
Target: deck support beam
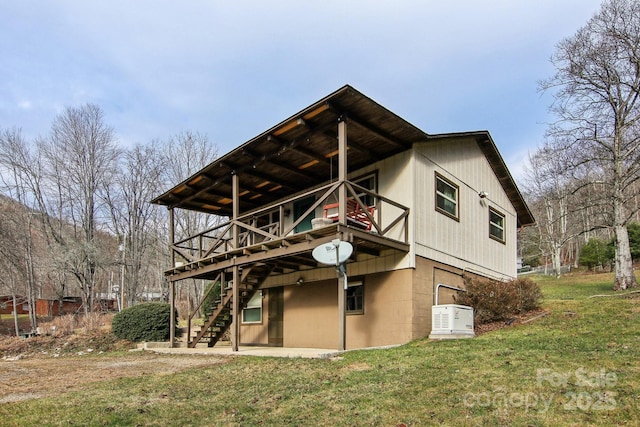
<point>342,219</point>
<point>172,315</point>
<point>342,171</point>
<point>235,307</point>
<point>172,283</point>
<point>235,312</point>
<point>342,313</point>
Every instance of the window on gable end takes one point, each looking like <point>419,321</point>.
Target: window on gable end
<point>496,225</point>
<point>446,197</point>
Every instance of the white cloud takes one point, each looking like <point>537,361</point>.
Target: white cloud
<point>232,69</point>
<point>24,104</point>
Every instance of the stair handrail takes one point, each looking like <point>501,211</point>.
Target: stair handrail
<point>224,301</point>
<point>202,300</point>
<point>212,318</point>
<point>207,324</point>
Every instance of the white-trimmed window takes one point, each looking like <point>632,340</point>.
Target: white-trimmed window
<point>496,225</point>
<point>252,313</point>
<point>355,297</point>
<point>446,197</point>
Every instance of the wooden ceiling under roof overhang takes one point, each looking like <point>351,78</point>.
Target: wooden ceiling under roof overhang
<point>297,154</point>
<point>301,153</point>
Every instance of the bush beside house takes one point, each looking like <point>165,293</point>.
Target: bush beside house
<point>143,322</point>
<point>494,301</point>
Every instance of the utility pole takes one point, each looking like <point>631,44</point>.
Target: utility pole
<point>121,248</point>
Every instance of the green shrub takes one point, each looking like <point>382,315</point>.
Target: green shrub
<point>143,322</point>
<point>493,300</point>
<point>596,252</point>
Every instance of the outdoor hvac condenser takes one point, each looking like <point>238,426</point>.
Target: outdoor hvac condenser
<point>450,321</point>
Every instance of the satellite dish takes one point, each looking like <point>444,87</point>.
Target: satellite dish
<point>333,253</point>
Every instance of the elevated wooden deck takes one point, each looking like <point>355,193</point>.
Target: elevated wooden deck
<point>208,252</point>
<point>288,253</point>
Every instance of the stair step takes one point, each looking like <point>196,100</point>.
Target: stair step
<point>220,324</point>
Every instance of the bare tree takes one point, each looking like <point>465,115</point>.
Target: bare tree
<point>597,94</point>
<point>79,159</point>
<point>187,153</point>
<point>550,194</point>
<point>25,181</point>
<point>13,265</point>
<point>133,218</point>
<point>17,220</point>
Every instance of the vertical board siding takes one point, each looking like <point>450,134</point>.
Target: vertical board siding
<point>464,243</point>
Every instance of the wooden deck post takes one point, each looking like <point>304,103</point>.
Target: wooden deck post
<point>172,284</point>
<point>342,171</point>
<point>235,312</point>
<point>172,315</point>
<point>342,219</point>
<point>342,313</point>
<point>235,309</point>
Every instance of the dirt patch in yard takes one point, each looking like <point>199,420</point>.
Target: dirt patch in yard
<point>524,318</point>
<point>32,378</point>
<point>43,366</point>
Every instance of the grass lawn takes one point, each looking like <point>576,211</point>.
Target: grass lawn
<point>578,366</point>
<point>10,317</point>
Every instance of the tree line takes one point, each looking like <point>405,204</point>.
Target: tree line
<point>76,218</point>
<point>583,183</point>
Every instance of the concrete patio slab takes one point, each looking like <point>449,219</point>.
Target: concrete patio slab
<point>309,353</point>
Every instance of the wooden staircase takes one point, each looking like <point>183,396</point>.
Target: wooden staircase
<point>218,317</point>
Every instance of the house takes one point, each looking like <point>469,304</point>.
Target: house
<point>58,307</point>
<point>7,304</point>
<point>419,210</point>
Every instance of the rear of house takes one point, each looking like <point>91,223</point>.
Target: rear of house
<point>419,209</point>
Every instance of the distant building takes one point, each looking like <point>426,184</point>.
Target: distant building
<point>6,304</point>
<point>57,307</point>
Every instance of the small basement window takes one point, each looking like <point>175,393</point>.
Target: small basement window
<point>252,313</point>
<point>355,297</point>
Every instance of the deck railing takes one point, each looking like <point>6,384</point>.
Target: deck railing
<point>381,218</point>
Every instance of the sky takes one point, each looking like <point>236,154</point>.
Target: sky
<point>232,69</point>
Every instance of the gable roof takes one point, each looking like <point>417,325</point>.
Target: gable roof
<point>300,152</point>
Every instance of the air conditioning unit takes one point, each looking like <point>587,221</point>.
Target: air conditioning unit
<point>451,321</point>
